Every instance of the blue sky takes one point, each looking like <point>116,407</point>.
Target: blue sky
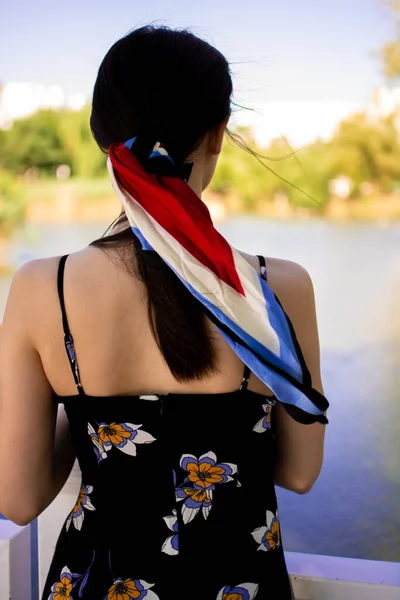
<point>281,50</point>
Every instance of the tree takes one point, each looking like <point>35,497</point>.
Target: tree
<point>302,176</point>
<point>50,138</point>
<point>34,141</point>
<point>390,53</point>
<point>12,203</point>
<point>368,150</point>
<point>85,158</point>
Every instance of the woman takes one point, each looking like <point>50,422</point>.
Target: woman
<point>179,442</point>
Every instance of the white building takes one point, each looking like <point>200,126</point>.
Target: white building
<point>19,100</point>
<point>300,123</point>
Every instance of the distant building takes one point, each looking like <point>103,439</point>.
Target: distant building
<point>19,100</point>
<point>299,123</point>
<point>302,123</point>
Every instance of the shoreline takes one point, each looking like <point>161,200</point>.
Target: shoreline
<point>106,210</point>
<point>50,201</point>
<point>378,211</point>
<point>70,209</point>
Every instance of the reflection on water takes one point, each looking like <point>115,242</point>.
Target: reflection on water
<point>354,508</point>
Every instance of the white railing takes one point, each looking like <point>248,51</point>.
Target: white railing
<point>314,577</point>
<point>317,577</point>
<point>15,561</point>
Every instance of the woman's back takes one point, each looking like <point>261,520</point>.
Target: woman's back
<point>174,481</point>
<point>108,316</point>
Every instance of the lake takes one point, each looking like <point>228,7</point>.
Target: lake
<point>354,508</point>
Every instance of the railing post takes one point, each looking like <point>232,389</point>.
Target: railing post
<point>15,561</point>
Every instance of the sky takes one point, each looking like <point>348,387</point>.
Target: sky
<point>281,51</point>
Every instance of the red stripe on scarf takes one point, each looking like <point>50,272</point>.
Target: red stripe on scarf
<point>177,208</point>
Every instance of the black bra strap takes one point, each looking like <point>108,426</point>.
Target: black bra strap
<point>60,287</point>
<point>263,266</point>
<point>68,339</point>
<point>245,380</point>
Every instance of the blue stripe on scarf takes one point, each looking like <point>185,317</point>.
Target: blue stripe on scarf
<point>284,390</point>
<point>143,241</point>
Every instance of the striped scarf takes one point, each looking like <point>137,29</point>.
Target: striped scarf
<point>170,219</point>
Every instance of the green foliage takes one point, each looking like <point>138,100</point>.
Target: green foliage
<point>85,158</point>
<point>35,141</point>
<point>302,176</point>
<point>390,52</point>
<point>364,149</point>
<point>48,139</point>
<point>391,59</point>
<point>368,150</point>
<point>12,203</point>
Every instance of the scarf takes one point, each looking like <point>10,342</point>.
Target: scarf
<point>168,218</point>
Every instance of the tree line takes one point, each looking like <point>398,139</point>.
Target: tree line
<point>364,151</point>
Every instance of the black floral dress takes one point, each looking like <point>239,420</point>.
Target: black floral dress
<point>177,499</point>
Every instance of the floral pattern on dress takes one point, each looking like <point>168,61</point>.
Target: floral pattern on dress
<point>265,423</point>
<point>123,436</point>
<point>194,500</point>
<point>244,591</point>
<point>268,537</point>
<point>171,544</point>
<point>77,514</point>
<point>204,474</point>
<point>63,588</point>
<point>131,589</point>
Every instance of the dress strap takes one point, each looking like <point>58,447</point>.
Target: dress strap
<point>246,377</point>
<point>68,339</point>
<point>263,266</point>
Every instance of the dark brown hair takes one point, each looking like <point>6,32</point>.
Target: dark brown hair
<point>173,86</point>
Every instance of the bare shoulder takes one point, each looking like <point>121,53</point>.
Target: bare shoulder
<point>37,275</point>
<point>288,279</point>
<point>32,279</point>
<point>287,269</point>
<point>27,298</point>
<point>35,272</point>
<point>34,287</point>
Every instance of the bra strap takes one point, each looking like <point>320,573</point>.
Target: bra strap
<point>246,377</point>
<point>263,266</point>
<point>68,339</point>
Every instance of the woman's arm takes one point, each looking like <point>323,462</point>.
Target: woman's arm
<point>36,454</point>
<point>300,448</point>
